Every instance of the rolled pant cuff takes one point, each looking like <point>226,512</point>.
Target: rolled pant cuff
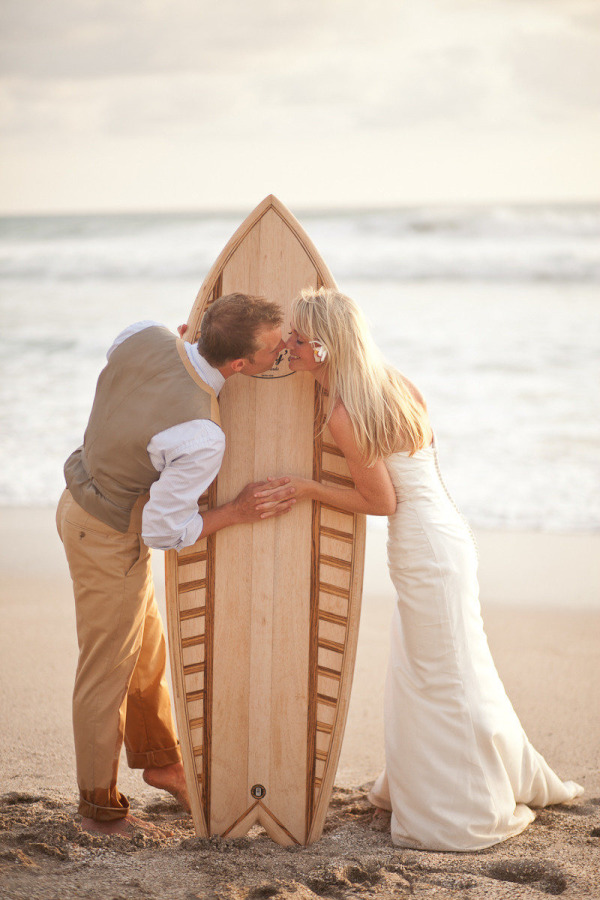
<point>154,758</point>
<point>103,813</point>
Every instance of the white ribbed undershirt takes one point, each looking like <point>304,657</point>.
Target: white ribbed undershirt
<point>188,457</point>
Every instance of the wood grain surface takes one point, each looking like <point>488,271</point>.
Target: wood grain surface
<point>263,619</point>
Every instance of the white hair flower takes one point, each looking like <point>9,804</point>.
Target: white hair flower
<point>319,351</point>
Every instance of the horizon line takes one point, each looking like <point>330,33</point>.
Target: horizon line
<point>307,210</point>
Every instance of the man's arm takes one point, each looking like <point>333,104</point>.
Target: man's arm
<point>189,457</point>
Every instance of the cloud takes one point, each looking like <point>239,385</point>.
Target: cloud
<point>80,75</point>
<point>97,38</point>
<point>560,74</point>
<point>317,63</point>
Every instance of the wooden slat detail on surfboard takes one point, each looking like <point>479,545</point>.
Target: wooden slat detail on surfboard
<point>259,631</point>
<point>338,544</point>
<point>189,580</point>
<point>189,672</point>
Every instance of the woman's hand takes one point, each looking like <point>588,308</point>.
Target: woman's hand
<point>269,497</point>
<point>181,330</point>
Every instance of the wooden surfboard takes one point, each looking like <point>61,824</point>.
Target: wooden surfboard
<point>263,619</point>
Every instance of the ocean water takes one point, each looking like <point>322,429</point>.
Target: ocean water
<point>493,311</point>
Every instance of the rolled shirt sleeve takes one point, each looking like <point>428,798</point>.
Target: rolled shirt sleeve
<point>188,457</point>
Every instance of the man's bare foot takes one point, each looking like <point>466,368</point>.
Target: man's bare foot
<point>126,827</point>
<point>169,778</point>
<point>381,819</point>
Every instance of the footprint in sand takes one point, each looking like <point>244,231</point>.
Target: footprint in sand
<point>14,798</point>
<point>329,880</point>
<point>262,892</point>
<point>543,875</point>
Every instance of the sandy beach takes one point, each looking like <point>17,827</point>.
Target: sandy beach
<point>541,606</point>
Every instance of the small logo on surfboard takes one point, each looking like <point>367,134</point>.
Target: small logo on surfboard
<point>279,369</point>
<point>258,791</point>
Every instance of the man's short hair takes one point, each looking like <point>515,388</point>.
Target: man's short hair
<point>231,324</point>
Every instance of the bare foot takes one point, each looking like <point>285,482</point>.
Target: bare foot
<point>126,827</point>
<point>381,820</point>
<point>169,778</point>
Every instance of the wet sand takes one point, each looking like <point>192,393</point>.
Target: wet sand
<point>541,606</point>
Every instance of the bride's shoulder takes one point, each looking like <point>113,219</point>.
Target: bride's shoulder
<point>341,428</point>
<point>339,413</point>
<point>339,420</point>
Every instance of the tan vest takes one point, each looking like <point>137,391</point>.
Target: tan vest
<point>148,385</point>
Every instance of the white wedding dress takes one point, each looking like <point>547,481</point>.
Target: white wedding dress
<point>460,772</point>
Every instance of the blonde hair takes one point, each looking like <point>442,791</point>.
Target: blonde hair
<point>385,414</point>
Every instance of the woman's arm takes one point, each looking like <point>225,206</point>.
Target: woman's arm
<point>373,492</point>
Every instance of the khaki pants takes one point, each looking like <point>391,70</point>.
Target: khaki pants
<point>120,686</point>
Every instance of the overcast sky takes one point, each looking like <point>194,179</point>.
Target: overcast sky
<point>174,104</point>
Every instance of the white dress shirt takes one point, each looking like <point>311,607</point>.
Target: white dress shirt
<point>188,457</point>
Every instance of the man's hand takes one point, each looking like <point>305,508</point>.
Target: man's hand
<point>249,506</point>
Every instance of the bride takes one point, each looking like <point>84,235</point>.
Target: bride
<point>460,772</point>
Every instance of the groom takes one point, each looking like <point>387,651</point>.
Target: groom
<point>152,446</point>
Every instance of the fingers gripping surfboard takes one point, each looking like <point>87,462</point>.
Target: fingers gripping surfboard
<point>263,619</point>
